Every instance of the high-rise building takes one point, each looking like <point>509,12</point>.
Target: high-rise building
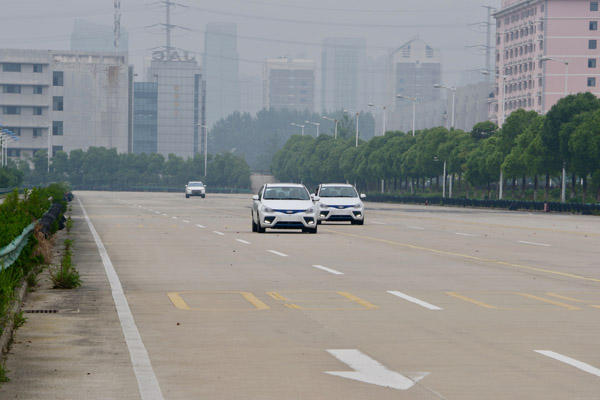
<point>221,71</point>
<point>145,117</point>
<point>545,49</point>
<point>343,67</point>
<point>289,83</point>
<point>62,100</point>
<point>250,94</point>
<point>180,103</point>
<point>412,70</point>
<point>89,36</point>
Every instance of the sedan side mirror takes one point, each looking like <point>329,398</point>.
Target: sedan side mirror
<point>363,196</point>
<point>255,197</point>
<point>315,198</point>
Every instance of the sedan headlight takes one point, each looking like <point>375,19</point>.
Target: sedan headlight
<point>359,205</point>
<point>266,209</point>
<point>323,205</point>
<point>311,210</point>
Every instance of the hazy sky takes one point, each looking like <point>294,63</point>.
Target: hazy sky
<point>266,28</point>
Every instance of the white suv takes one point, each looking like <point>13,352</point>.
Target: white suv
<point>195,189</point>
<point>284,206</point>
<point>340,202</point>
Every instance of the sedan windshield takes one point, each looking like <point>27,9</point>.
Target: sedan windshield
<point>338,191</point>
<point>286,193</point>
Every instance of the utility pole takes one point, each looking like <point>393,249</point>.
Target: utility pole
<point>117,24</point>
<point>488,47</point>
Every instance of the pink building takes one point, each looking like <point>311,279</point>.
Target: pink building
<point>544,49</point>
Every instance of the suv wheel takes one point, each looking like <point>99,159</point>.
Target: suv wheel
<point>254,226</point>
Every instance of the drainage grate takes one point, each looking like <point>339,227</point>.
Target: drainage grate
<point>40,311</point>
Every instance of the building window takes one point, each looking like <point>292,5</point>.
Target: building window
<point>56,149</point>
<point>11,67</point>
<point>38,68</point>
<point>13,152</point>
<point>12,88</point>
<point>14,131</point>
<point>57,128</point>
<point>12,110</point>
<point>592,44</point>
<point>57,103</point>
<point>37,132</point>
<point>38,89</point>
<point>591,63</point>
<point>591,82</point>
<point>593,6</point>
<point>593,25</point>
<point>37,111</point>
<point>58,78</point>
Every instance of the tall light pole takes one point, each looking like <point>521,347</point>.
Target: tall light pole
<point>301,126</point>
<point>414,100</point>
<point>563,197</point>
<point>315,124</point>
<point>335,121</point>
<point>50,133</point>
<point>205,130</point>
<point>444,177</point>
<point>453,90</point>
<point>500,123</point>
<point>384,115</point>
<point>357,114</point>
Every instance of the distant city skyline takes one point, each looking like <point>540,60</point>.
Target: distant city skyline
<point>266,29</point>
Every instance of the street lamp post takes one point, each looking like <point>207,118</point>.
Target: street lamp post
<point>453,90</point>
<point>357,114</point>
<point>301,126</point>
<point>204,129</point>
<point>563,191</point>
<point>414,100</point>
<point>500,123</point>
<point>336,123</point>
<point>384,115</point>
<point>315,124</point>
<point>444,178</point>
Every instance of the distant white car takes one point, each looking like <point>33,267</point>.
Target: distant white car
<point>284,206</point>
<point>195,189</point>
<point>339,202</point>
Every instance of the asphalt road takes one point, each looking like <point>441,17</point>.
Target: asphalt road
<point>419,303</point>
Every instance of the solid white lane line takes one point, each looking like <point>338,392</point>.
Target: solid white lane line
<point>416,227</point>
<point>200,226</point>
<point>277,253</point>
<point>465,234</point>
<point>571,361</point>
<point>414,300</point>
<point>333,271</point>
<point>243,241</point>
<point>533,243</point>
<point>219,233</point>
<point>142,367</point>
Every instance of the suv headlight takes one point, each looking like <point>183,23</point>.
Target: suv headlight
<point>359,205</point>
<point>311,210</point>
<point>323,205</point>
<point>266,209</point>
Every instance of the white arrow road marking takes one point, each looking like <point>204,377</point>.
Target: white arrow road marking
<point>277,253</point>
<point>414,300</point>
<point>571,361</point>
<point>333,271</point>
<point>369,370</point>
<point>533,243</point>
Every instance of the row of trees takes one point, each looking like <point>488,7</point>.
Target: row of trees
<point>259,137</point>
<point>99,167</point>
<point>529,148</point>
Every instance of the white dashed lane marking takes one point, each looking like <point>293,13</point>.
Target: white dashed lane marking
<point>571,361</point>
<point>414,300</point>
<point>277,253</point>
<point>533,243</point>
<point>332,271</point>
<point>243,241</point>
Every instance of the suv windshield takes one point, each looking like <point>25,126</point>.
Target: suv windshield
<point>195,184</point>
<point>338,191</point>
<point>286,193</point>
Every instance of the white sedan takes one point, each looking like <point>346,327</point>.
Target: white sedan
<point>340,202</point>
<point>284,206</point>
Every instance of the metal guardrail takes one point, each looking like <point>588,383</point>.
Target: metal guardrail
<point>10,253</point>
